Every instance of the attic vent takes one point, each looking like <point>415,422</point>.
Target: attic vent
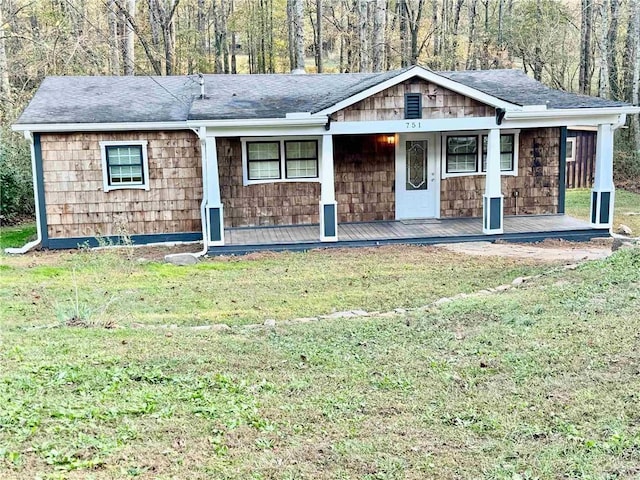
<point>412,105</point>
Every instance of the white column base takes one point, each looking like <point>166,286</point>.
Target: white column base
<point>328,221</point>
<point>215,225</point>
<point>492,215</point>
<point>602,202</point>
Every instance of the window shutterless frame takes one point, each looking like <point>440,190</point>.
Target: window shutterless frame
<point>480,153</point>
<point>112,150</point>
<point>313,157</point>
<point>263,160</point>
<point>284,172</point>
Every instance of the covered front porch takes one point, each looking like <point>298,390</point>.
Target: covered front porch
<point>529,228</point>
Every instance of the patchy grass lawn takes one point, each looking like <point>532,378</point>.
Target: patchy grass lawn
<point>627,208</point>
<point>17,236</point>
<point>115,288</point>
<point>537,382</point>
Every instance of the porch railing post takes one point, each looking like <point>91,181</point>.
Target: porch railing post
<point>603,191</point>
<point>328,204</point>
<point>492,212</point>
<point>214,210</point>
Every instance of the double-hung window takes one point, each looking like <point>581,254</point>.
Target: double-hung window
<point>125,165</point>
<point>466,154</point>
<point>507,150</point>
<point>280,160</point>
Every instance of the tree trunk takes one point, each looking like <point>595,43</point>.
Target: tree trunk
<point>434,26</point>
<point>584,80</point>
<point>537,50</point>
<point>362,35</point>
<point>5,85</point>
<point>404,33</point>
<point>298,17</point>
<point>319,35</point>
<point>114,42</point>
<point>603,88</point>
<point>128,57</point>
<point>234,62</point>
<point>454,46</point>
<point>472,58</point>
<point>612,40</point>
<point>379,26</point>
<point>291,35</point>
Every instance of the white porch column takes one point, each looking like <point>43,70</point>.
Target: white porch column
<point>492,212</point>
<point>603,191</point>
<point>214,214</point>
<point>328,204</point>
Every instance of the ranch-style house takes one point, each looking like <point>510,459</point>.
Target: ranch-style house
<point>247,162</point>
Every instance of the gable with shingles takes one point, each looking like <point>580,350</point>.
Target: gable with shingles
<point>437,102</point>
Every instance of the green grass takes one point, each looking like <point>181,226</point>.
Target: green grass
<point>111,288</point>
<point>17,236</point>
<point>538,382</point>
<point>627,207</point>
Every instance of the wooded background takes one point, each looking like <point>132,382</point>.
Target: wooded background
<point>586,46</point>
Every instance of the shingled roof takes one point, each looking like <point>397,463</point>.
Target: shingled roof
<point>168,99</point>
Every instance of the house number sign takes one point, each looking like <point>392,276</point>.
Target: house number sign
<point>412,125</point>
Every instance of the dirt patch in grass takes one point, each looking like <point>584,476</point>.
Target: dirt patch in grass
<point>551,251</point>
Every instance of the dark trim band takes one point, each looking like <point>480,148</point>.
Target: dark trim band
<point>76,242</point>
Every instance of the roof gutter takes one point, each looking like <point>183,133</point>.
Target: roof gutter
<point>568,112</point>
<point>25,248</point>
<point>295,121</point>
<point>92,127</point>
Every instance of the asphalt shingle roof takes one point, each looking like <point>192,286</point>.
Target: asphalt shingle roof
<point>166,99</point>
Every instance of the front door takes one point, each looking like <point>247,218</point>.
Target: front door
<point>416,177</point>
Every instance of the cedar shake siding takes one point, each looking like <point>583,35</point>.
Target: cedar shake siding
<point>364,178</point>
<point>536,183</point>
<point>277,203</point>
<point>437,102</point>
<point>77,206</point>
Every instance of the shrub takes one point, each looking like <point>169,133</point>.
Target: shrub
<point>16,183</point>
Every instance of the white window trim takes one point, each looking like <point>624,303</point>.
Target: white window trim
<point>479,134</point>
<point>571,155</point>
<point>283,160</point>
<point>105,167</point>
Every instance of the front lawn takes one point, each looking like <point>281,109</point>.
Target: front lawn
<point>627,207</point>
<point>536,382</point>
<point>17,236</point>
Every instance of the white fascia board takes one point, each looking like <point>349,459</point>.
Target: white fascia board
<point>570,113</point>
<point>560,121</point>
<point>96,127</point>
<point>428,76</point>
<point>314,120</point>
<point>417,125</point>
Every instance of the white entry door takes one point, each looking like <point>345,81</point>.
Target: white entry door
<point>417,181</point>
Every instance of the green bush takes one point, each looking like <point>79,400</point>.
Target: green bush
<point>16,183</point>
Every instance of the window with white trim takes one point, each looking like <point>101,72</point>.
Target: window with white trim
<point>125,165</point>
<point>507,152</point>
<point>280,160</point>
<point>466,154</point>
<point>571,149</point>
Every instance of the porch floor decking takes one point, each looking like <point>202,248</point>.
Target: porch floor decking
<point>516,228</point>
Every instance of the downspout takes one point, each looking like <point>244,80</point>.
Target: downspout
<point>202,135</point>
<point>25,248</point>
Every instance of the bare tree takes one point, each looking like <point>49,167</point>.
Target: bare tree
<point>584,80</point>
<point>319,38</point>
<point>635,90</point>
<point>379,28</point>
<point>363,21</point>
<point>603,45</point>
<point>612,40</point>
<point>128,50</point>
<point>5,85</point>
<point>454,44</point>
<point>114,39</point>
<point>297,19</point>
